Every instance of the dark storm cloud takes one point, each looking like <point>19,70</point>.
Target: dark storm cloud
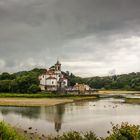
<point>36,33</point>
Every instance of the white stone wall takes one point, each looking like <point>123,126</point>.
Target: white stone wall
<point>51,82</point>
<point>42,87</point>
<point>42,79</point>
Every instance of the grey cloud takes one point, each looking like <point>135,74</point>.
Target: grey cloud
<point>34,33</point>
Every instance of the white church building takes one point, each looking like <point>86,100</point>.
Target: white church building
<point>53,79</point>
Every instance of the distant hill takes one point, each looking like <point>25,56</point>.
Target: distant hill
<point>129,81</point>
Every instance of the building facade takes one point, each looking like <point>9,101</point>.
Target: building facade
<point>53,79</point>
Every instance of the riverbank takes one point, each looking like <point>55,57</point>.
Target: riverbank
<point>118,92</point>
<point>123,131</point>
<point>42,101</point>
<point>49,99</point>
<point>32,102</point>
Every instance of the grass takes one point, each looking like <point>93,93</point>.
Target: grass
<point>43,95</point>
<point>8,133</point>
<point>132,101</point>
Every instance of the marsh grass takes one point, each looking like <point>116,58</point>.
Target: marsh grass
<point>132,101</point>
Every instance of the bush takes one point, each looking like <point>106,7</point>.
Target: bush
<point>124,131</point>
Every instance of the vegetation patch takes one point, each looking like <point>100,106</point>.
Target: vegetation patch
<point>8,133</point>
<point>132,100</point>
<point>74,135</point>
<point>45,95</point>
<point>124,131</point>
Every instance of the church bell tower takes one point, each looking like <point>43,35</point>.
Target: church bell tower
<point>58,66</point>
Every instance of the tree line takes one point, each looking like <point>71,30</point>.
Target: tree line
<point>28,82</point>
<point>129,81</point>
<point>21,82</point>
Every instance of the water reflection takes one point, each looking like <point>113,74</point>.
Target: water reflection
<point>30,112</point>
<point>51,114</point>
<point>58,117</point>
<point>82,116</point>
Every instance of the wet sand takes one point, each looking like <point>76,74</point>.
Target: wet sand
<point>32,102</point>
<point>118,92</point>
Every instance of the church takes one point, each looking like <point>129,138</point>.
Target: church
<point>53,79</point>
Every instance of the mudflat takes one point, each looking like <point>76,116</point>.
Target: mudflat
<point>118,92</point>
<point>32,101</point>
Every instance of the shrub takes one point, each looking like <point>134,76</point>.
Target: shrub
<point>8,133</point>
<point>74,135</point>
<point>124,131</point>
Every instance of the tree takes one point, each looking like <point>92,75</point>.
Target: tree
<point>5,85</point>
<point>34,88</point>
<point>5,76</point>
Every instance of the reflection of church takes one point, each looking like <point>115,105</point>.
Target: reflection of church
<point>54,114</point>
<point>58,117</point>
<point>57,126</point>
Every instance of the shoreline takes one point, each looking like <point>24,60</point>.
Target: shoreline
<point>118,92</point>
<point>39,99</point>
<point>34,102</point>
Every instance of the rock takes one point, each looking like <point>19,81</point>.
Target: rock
<point>25,131</point>
<point>30,128</point>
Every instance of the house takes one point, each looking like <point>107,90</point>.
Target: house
<point>82,88</point>
<point>53,79</point>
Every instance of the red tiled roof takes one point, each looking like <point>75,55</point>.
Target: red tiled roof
<point>50,72</point>
<point>51,78</point>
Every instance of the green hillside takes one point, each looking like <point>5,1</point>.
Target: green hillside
<point>27,81</point>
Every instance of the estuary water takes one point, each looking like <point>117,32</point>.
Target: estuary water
<point>79,116</point>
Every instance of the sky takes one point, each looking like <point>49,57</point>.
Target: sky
<point>89,37</point>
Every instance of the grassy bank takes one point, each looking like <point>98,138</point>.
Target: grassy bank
<point>124,131</point>
<point>41,95</point>
<point>40,99</point>
<point>132,100</point>
<point>8,133</point>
